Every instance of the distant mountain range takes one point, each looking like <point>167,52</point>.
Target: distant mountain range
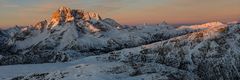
<point>94,48</point>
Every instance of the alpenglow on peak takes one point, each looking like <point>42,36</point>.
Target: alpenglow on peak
<point>65,14</point>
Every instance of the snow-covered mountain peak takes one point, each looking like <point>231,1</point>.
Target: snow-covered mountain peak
<point>64,15</point>
<point>213,24</point>
<point>205,26</point>
<point>87,21</point>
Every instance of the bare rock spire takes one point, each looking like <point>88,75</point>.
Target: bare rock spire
<point>64,14</point>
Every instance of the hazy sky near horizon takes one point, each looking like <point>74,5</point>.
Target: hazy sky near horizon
<point>27,12</point>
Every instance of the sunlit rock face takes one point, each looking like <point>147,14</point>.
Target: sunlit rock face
<point>41,25</point>
<point>80,18</point>
<point>62,15</point>
<point>76,17</point>
<point>65,14</point>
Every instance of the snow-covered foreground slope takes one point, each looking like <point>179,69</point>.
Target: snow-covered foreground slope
<point>17,70</point>
<point>90,68</point>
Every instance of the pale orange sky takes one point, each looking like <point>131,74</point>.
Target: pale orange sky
<point>27,12</point>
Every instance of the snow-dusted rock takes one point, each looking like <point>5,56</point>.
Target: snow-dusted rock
<point>112,22</point>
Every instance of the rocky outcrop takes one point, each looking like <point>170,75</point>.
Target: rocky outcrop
<point>41,25</point>
<point>64,14</point>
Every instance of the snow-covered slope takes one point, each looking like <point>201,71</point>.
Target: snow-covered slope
<point>200,55</point>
